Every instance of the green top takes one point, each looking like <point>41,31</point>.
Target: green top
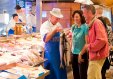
<point>78,37</point>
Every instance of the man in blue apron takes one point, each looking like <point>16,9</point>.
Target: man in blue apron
<point>50,34</point>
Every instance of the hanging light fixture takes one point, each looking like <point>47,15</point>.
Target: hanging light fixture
<point>88,2</point>
<point>79,1</point>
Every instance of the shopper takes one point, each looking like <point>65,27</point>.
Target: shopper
<point>31,22</point>
<point>79,39</point>
<point>107,25</point>
<point>97,43</point>
<point>109,31</point>
<point>50,33</point>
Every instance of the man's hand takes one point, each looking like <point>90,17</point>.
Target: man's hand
<point>58,29</point>
<point>80,60</point>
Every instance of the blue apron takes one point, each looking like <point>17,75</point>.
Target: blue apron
<point>10,32</point>
<point>52,55</point>
<point>34,29</point>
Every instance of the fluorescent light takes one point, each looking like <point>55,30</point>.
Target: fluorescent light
<point>79,1</point>
<point>88,2</point>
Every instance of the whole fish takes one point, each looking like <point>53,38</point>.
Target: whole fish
<point>63,49</point>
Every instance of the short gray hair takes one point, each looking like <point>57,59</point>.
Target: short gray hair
<point>90,8</point>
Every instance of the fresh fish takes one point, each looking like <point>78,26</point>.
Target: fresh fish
<point>63,49</point>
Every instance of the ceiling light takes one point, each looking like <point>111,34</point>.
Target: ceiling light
<point>88,2</point>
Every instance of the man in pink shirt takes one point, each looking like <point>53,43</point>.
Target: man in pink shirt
<point>97,43</point>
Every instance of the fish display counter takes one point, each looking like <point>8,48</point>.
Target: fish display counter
<point>21,55</point>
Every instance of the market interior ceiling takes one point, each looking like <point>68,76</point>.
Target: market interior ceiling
<point>107,3</point>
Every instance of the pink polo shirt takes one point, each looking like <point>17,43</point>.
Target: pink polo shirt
<point>98,41</point>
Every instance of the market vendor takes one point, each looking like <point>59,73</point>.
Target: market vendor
<point>50,32</point>
<point>31,22</point>
<point>21,14</point>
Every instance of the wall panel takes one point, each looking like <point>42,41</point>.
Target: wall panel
<point>7,5</point>
<point>67,10</point>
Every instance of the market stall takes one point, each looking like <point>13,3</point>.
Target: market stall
<point>21,56</point>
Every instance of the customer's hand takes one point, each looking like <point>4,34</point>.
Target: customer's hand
<point>80,60</point>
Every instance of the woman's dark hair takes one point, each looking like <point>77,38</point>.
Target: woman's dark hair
<point>80,14</point>
<point>107,21</point>
<point>14,15</point>
<point>103,21</point>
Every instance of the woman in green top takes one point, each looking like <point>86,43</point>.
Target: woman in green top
<point>79,39</point>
